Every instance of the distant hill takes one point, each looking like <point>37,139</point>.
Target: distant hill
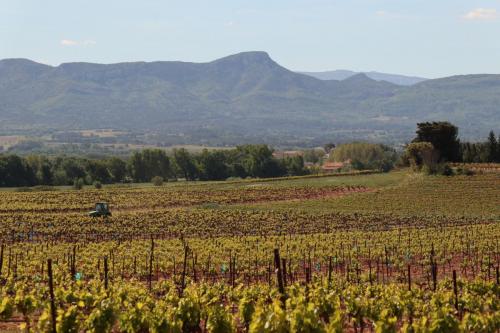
<point>342,74</point>
<point>245,97</point>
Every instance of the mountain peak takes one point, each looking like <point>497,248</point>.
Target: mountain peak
<point>246,58</point>
<point>20,67</point>
<point>14,62</point>
<point>360,77</point>
<point>340,75</point>
<point>246,95</point>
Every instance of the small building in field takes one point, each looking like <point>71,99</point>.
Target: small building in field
<point>328,167</point>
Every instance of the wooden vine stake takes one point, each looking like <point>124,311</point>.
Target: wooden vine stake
<point>233,278</point>
<point>150,277</point>
<point>370,272</point>
<point>279,276</point>
<point>106,272</point>
<point>283,264</point>
<point>73,264</point>
<point>183,278</point>
<point>3,246</point>
<point>455,289</point>
<point>330,272</point>
<point>53,311</point>
<point>433,269</point>
<point>409,277</point>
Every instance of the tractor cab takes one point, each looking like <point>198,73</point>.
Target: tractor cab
<point>101,210</point>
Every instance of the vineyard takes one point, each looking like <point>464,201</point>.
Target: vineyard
<point>360,253</point>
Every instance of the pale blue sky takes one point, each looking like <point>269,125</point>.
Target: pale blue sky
<point>429,38</point>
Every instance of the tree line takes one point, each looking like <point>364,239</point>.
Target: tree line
<point>366,156</point>
<point>482,152</point>
<point>437,143</point>
<point>142,166</point>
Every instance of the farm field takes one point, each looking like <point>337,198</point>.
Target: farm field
<point>376,252</point>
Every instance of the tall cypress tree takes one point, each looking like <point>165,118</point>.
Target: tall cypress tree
<point>492,146</point>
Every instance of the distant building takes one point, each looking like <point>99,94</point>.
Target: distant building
<point>332,166</point>
<point>288,153</point>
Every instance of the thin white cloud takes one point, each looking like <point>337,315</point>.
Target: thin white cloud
<point>71,42</point>
<point>230,24</point>
<point>482,14</point>
<point>68,42</point>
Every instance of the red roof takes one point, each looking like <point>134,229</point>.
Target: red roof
<point>332,165</point>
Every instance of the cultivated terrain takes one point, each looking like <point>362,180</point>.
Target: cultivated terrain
<point>355,253</point>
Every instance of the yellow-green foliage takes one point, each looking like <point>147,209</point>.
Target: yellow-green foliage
<point>363,155</point>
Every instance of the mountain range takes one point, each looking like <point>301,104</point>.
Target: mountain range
<point>246,97</point>
<point>342,74</point>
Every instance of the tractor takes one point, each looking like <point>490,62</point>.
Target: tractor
<point>101,210</point>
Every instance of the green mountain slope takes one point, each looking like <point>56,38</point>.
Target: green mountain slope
<point>244,96</point>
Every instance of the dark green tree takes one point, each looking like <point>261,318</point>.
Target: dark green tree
<point>137,167</point>
<point>157,162</point>
<point>117,169</point>
<point>14,171</point>
<point>42,167</point>
<point>149,163</point>
<point>97,171</point>
<point>259,162</point>
<point>493,148</point>
<point>73,168</point>
<point>294,166</point>
<point>185,164</point>
<point>444,138</point>
<point>213,165</point>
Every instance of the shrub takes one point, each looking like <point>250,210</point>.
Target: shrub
<point>428,169</point>
<point>45,188</point>
<point>97,185</point>
<point>23,189</point>
<point>422,156</point>
<point>210,205</point>
<point>464,171</point>
<point>157,181</point>
<point>445,170</point>
<point>78,184</point>
<point>468,172</point>
<point>365,156</point>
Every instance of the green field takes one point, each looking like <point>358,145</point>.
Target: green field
<point>407,193</point>
<point>200,256</point>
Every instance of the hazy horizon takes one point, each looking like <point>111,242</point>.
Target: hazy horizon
<point>291,69</point>
<point>414,38</point>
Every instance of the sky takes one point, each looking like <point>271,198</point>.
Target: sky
<point>428,38</point>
